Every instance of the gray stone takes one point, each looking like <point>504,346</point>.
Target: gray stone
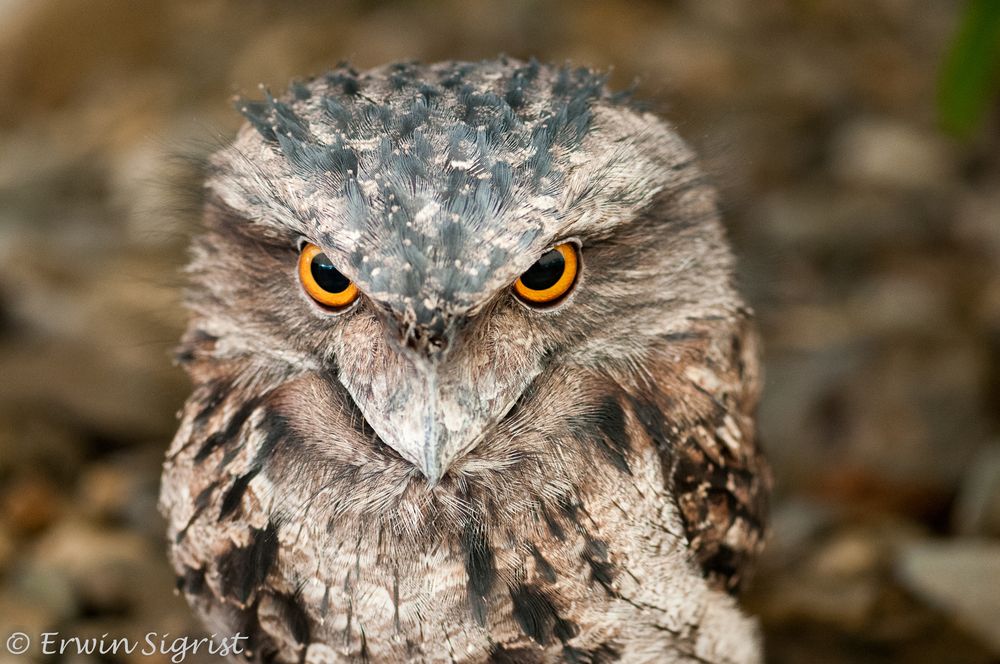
<point>106,491</point>
<point>977,220</point>
<point>795,524</point>
<point>884,152</point>
<point>845,604</point>
<point>24,614</point>
<point>827,215</point>
<point>961,578</point>
<point>901,303</point>
<point>107,569</point>
<point>50,590</point>
<point>977,509</point>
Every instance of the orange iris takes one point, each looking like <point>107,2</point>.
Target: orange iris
<point>324,282</point>
<point>551,277</point>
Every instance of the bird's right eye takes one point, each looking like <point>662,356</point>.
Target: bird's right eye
<point>323,282</point>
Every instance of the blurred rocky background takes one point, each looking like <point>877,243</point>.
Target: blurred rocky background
<point>869,240</point>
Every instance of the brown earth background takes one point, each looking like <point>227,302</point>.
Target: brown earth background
<point>869,244</point>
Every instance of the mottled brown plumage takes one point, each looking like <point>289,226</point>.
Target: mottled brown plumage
<point>442,473</point>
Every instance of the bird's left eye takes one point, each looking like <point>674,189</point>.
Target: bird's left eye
<point>552,276</point>
<point>323,282</point>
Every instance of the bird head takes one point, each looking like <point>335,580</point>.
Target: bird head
<point>441,252</point>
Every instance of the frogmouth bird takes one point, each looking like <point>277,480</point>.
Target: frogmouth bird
<point>472,380</point>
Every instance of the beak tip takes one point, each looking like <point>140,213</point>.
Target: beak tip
<point>432,473</point>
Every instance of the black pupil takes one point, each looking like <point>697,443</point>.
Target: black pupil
<point>327,276</point>
<point>546,271</point>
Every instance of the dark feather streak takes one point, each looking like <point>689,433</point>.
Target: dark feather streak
<point>480,568</point>
<point>602,571</point>
<point>291,611</point>
<point>504,655</point>
<point>604,428</point>
<point>227,434</point>
<point>538,617</point>
<point>234,495</point>
<point>244,569</point>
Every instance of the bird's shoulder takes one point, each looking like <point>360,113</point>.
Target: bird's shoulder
<point>712,458</point>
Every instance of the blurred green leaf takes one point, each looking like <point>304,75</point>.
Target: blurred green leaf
<point>970,77</point>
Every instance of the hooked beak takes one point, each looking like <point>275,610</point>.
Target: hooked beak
<point>431,399</point>
<point>427,442</point>
<point>429,415</point>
